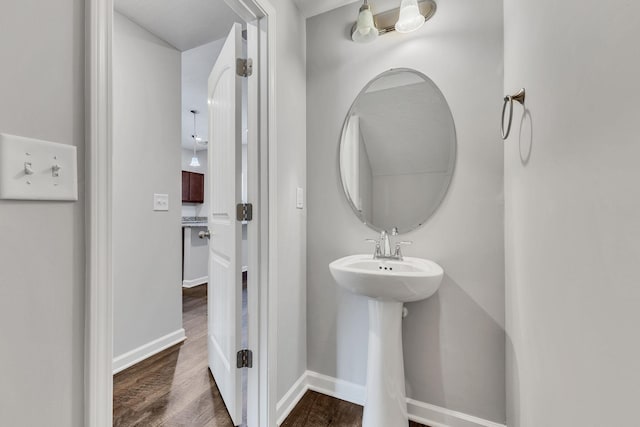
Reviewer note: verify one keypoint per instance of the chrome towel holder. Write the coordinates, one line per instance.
(509, 100)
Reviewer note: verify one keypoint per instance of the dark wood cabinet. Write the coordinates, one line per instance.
(192, 187)
(196, 187)
(185, 186)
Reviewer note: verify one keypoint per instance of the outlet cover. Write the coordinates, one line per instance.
(160, 202)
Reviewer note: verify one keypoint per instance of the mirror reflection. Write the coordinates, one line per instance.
(397, 151)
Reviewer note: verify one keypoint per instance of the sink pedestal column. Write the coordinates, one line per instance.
(385, 404)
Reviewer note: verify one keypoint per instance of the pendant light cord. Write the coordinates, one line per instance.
(194, 132)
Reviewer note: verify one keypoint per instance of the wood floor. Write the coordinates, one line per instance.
(175, 389)
(319, 410)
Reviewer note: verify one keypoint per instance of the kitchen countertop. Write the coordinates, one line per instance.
(194, 221)
(194, 224)
(201, 223)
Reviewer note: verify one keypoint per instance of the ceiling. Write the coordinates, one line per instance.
(183, 24)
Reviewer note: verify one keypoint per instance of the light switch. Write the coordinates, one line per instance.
(160, 202)
(32, 169)
(299, 198)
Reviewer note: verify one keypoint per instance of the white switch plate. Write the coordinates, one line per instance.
(299, 198)
(160, 202)
(32, 169)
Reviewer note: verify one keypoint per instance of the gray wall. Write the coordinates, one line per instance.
(42, 243)
(147, 298)
(454, 342)
(42, 285)
(573, 213)
(292, 223)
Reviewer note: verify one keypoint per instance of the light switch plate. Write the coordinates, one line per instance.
(160, 202)
(33, 169)
(299, 198)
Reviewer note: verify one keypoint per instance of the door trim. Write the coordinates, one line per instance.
(98, 389)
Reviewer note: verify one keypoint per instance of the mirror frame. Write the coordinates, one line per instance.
(445, 190)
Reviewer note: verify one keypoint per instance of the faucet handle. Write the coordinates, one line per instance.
(376, 252)
(398, 253)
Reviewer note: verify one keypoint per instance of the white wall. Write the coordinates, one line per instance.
(42, 243)
(573, 213)
(292, 222)
(196, 257)
(454, 342)
(147, 159)
(195, 209)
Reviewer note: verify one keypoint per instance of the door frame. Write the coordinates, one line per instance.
(98, 383)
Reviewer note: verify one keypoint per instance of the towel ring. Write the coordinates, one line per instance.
(509, 100)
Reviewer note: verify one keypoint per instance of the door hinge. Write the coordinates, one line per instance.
(245, 359)
(244, 211)
(244, 67)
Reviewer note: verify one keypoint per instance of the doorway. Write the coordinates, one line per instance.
(100, 273)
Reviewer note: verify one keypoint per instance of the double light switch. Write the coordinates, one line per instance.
(32, 169)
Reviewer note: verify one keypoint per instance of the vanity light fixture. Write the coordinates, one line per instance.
(410, 16)
(194, 160)
(365, 28)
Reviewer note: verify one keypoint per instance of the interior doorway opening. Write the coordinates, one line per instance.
(163, 367)
(260, 16)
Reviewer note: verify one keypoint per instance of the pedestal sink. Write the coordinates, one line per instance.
(388, 284)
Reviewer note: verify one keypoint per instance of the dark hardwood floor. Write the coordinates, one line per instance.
(319, 410)
(175, 389)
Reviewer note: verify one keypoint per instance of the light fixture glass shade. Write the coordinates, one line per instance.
(366, 30)
(195, 163)
(410, 18)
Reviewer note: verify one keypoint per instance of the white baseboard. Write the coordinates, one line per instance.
(420, 412)
(195, 282)
(337, 388)
(141, 353)
(436, 416)
(291, 398)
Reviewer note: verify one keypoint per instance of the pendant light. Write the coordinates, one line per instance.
(410, 18)
(366, 30)
(194, 160)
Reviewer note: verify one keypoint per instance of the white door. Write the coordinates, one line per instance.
(224, 183)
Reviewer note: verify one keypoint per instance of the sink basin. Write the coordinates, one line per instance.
(388, 284)
(411, 279)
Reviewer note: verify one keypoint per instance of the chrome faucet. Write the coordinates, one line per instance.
(383, 246)
(385, 243)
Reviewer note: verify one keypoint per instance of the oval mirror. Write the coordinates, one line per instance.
(397, 151)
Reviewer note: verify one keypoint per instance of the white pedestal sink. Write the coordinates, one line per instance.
(388, 284)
